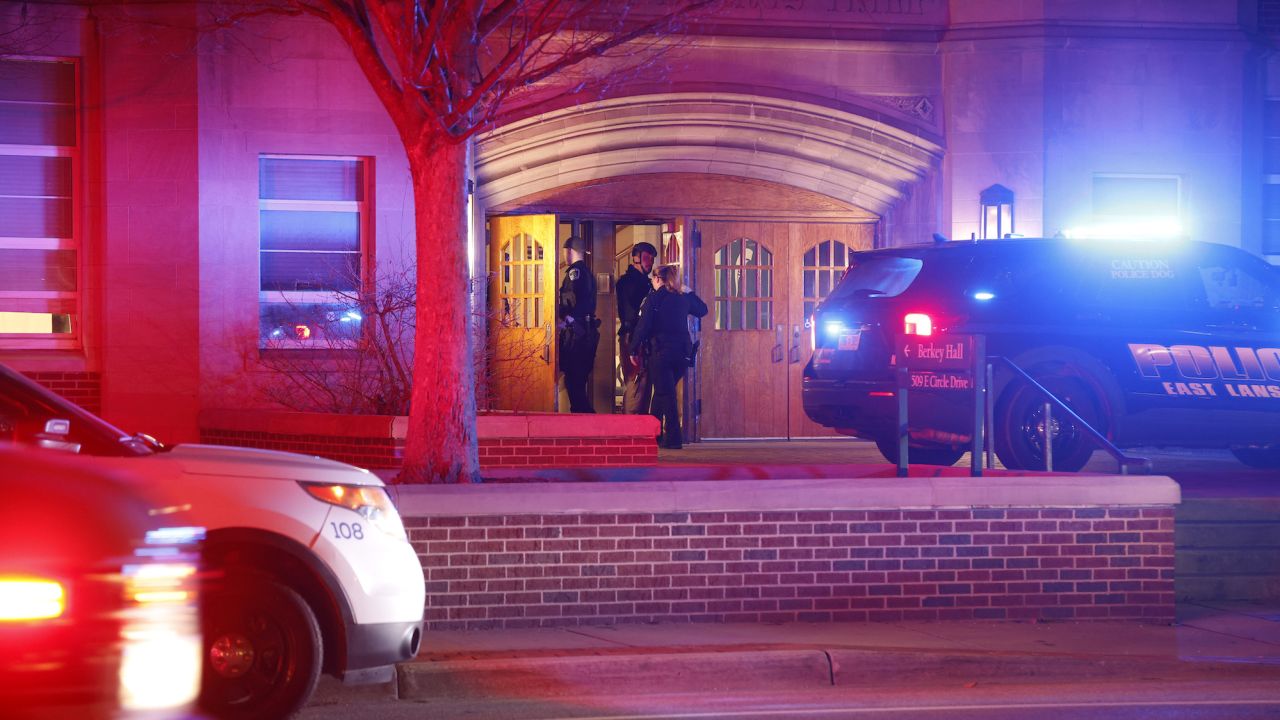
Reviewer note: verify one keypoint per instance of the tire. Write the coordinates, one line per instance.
(262, 649)
(1266, 458)
(1019, 422)
(933, 455)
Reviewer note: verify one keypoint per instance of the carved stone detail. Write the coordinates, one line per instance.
(919, 105)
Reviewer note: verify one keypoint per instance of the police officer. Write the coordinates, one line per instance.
(664, 324)
(579, 328)
(633, 287)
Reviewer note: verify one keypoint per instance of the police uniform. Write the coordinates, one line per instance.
(579, 332)
(633, 287)
(664, 325)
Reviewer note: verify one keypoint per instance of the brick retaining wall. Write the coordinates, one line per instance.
(505, 441)
(487, 569)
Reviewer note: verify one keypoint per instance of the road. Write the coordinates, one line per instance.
(1217, 700)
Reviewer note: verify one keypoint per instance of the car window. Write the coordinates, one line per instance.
(25, 408)
(1229, 287)
(878, 276)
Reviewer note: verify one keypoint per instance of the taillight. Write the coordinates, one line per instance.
(23, 599)
(917, 324)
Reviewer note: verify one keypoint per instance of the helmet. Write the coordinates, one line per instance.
(575, 243)
(643, 247)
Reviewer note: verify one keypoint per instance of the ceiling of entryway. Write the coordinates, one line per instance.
(672, 194)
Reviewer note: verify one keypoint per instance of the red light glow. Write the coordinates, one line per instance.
(917, 324)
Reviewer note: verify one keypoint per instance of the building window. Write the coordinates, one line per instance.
(39, 216)
(824, 265)
(1137, 206)
(744, 286)
(314, 215)
(1271, 177)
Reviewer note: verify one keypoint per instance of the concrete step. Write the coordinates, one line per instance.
(1262, 536)
(1208, 588)
(1227, 549)
(1243, 509)
(1226, 561)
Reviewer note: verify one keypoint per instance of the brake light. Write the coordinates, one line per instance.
(917, 324)
(27, 598)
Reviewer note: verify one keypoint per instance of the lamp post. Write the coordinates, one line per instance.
(997, 211)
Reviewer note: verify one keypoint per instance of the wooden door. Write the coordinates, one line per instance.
(822, 253)
(521, 358)
(743, 357)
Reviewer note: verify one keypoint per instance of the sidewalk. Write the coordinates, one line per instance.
(1237, 640)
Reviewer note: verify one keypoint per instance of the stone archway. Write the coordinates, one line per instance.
(796, 172)
(852, 158)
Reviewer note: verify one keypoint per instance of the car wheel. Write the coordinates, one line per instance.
(262, 649)
(937, 455)
(1266, 458)
(1019, 424)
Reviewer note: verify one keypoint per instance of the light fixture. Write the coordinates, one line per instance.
(997, 211)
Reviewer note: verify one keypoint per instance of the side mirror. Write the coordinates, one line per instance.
(57, 427)
(55, 435)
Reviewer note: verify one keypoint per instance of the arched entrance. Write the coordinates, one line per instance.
(763, 197)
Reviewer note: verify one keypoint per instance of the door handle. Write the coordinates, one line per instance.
(795, 344)
(546, 343)
(779, 332)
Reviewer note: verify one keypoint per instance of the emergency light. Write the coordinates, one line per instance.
(917, 324)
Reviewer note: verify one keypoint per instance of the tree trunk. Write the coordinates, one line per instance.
(440, 446)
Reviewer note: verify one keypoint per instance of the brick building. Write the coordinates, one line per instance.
(171, 200)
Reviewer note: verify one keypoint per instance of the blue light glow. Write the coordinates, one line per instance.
(833, 328)
(983, 295)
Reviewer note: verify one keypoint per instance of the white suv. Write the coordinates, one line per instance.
(310, 569)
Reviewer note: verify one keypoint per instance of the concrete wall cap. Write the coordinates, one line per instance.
(785, 494)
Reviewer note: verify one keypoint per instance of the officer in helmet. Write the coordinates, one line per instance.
(633, 287)
(579, 327)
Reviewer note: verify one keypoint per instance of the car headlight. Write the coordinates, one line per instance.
(24, 599)
(369, 501)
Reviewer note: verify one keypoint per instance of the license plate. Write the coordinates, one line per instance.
(849, 340)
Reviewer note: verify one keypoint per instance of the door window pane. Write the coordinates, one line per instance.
(525, 282)
(743, 285)
(824, 265)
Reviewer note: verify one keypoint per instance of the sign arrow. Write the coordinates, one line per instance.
(906, 350)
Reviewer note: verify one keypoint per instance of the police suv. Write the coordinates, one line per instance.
(309, 566)
(1150, 343)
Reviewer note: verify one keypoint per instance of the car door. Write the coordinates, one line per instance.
(1241, 316)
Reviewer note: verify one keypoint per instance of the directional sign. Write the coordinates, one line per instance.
(936, 352)
(928, 380)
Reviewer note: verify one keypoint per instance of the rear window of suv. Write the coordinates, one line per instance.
(877, 276)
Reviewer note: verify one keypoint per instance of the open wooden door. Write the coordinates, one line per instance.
(522, 313)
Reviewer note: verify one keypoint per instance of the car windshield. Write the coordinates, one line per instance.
(877, 276)
(26, 408)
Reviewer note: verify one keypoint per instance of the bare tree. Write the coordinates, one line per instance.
(353, 355)
(444, 70)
